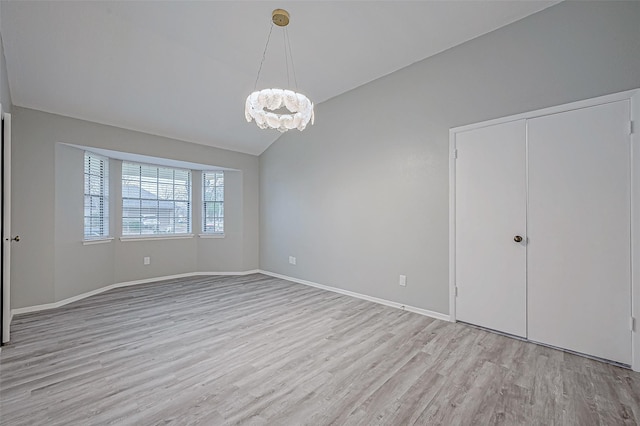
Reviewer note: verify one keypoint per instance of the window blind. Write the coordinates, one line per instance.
(96, 196)
(213, 202)
(155, 200)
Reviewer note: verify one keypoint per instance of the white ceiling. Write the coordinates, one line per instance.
(183, 69)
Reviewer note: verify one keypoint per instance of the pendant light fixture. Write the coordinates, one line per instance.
(263, 105)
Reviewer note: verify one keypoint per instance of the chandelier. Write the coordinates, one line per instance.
(280, 109)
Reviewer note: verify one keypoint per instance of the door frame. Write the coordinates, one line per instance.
(634, 97)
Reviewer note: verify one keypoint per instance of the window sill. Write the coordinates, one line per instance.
(97, 241)
(155, 237)
(211, 235)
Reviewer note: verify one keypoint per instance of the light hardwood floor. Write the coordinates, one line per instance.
(259, 350)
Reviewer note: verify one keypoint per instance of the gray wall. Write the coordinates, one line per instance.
(50, 263)
(362, 196)
(5, 95)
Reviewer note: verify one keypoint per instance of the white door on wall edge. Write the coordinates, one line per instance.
(579, 258)
(6, 226)
(490, 199)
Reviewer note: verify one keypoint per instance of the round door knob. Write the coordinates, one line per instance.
(16, 238)
(517, 239)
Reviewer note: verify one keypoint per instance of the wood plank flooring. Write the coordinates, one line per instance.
(259, 350)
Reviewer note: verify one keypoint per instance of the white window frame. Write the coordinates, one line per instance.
(215, 198)
(157, 221)
(102, 194)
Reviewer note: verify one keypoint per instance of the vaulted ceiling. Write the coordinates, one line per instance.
(183, 69)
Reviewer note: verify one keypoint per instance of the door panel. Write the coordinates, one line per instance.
(6, 226)
(490, 211)
(579, 283)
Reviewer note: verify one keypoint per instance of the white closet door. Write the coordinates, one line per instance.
(490, 212)
(579, 284)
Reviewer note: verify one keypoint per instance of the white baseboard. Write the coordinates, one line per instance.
(425, 312)
(63, 302)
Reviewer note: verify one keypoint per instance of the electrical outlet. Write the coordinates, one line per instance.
(403, 280)
(146, 260)
(292, 260)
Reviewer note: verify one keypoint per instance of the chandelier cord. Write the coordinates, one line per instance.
(286, 57)
(264, 54)
(293, 68)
